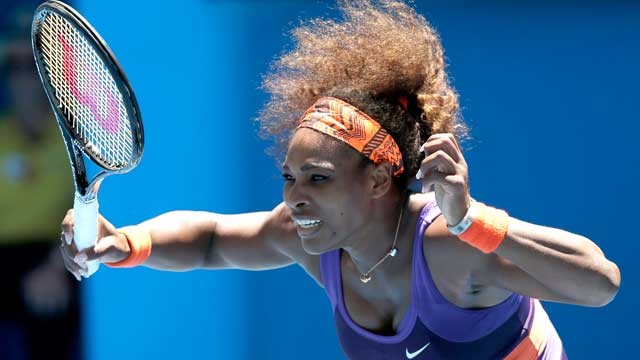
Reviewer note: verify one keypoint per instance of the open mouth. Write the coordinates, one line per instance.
(307, 223)
(307, 227)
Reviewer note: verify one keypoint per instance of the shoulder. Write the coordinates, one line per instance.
(281, 232)
(457, 268)
(438, 228)
(437, 241)
(436, 236)
(439, 246)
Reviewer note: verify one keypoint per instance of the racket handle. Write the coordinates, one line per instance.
(85, 227)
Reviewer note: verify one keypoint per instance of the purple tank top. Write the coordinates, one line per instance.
(432, 327)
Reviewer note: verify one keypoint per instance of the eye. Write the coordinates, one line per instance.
(287, 177)
(316, 177)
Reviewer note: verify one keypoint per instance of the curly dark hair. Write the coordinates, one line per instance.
(380, 51)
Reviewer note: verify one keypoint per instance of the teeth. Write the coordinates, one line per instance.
(308, 223)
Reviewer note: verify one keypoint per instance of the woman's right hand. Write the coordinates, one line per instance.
(110, 246)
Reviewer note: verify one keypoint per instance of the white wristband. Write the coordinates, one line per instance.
(467, 220)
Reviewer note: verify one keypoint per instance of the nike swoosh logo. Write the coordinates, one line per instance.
(414, 354)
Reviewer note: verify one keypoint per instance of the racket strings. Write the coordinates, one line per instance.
(87, 92)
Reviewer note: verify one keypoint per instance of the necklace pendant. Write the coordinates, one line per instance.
(393, 252)
(365, 278)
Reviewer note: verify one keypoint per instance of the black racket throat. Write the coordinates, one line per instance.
(87, 180)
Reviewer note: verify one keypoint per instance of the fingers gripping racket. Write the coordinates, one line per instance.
(94, 106)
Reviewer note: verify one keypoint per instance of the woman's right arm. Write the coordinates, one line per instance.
(186, 240)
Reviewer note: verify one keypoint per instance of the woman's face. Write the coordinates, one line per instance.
(325, 189)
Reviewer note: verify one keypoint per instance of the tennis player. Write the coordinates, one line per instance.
(362, 107)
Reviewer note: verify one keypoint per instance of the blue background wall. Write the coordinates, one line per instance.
(548, 88)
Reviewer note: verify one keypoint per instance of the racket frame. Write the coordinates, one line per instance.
(86, 188)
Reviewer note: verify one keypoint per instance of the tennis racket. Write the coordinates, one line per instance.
(94, 106)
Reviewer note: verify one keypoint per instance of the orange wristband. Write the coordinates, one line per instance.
(488, 229)
(140, 244)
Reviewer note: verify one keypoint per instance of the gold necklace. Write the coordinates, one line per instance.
(366, 277)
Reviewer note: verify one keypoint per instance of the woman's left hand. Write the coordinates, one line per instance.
(445, 168)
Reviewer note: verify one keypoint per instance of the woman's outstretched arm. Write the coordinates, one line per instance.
(186, 240)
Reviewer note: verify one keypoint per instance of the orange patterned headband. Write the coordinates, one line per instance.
(346, 123)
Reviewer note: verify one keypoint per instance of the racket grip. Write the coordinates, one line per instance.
(85, 227)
